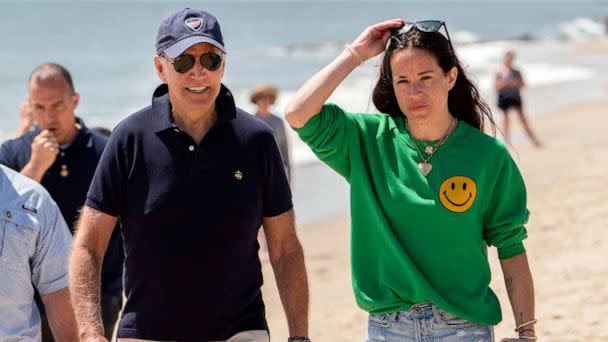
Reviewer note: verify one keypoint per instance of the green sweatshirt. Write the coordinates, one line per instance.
(418, 239)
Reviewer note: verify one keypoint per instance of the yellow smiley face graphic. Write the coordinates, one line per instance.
(458, 193)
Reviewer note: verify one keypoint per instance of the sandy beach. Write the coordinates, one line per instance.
(567, 245)
(595, 46)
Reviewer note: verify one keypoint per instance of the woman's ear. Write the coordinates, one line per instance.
(452, 76)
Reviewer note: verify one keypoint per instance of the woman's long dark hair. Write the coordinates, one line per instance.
(464, 101)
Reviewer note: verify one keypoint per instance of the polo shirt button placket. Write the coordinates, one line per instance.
(64, 172)
(191, 147)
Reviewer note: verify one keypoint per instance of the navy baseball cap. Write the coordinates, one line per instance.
(185, 28)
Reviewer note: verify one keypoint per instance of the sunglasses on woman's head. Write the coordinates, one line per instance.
(183, 63)
(424, 26)
(429, 26)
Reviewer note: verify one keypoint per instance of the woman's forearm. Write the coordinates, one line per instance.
(520, 288)
(312, 95)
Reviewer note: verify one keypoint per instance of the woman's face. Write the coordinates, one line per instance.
(420, 85)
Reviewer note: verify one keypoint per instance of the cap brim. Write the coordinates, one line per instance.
(184, 44)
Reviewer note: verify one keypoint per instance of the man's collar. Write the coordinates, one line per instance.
(161, 107)
(83, 137)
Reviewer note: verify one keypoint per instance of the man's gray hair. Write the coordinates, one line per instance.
(51, 71)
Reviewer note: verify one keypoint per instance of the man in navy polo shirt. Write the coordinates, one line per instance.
(192, 178)
(61, 153)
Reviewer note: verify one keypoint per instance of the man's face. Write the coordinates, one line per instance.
(196, 89)
(53, 104)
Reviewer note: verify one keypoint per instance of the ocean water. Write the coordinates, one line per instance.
(108, 47)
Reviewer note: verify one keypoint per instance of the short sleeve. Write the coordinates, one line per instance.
(53, 248)
(276, 191)
(507, 213)
(108, 187)
(327, 135)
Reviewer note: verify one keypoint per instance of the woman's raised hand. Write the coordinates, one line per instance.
(372, 41)
(310, 98)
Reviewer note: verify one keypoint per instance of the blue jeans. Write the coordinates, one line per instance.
(425, 323)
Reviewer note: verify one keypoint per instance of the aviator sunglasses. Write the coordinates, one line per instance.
(431, 26)
(182, 63)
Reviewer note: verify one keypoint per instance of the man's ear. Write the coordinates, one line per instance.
(223, 65)
(75, 100)
(160, 68)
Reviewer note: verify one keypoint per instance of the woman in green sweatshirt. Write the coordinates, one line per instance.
(429, 189)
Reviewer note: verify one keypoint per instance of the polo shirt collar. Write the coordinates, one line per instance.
(161, 107)
(84, 138)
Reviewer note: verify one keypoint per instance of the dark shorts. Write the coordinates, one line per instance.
(506, 102)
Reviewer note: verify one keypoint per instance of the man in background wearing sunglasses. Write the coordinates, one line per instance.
(191, 178)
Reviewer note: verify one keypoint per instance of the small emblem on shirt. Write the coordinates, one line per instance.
(458, 193)
(64, 171)
(30, 209)
(195, 24)
(238, 175)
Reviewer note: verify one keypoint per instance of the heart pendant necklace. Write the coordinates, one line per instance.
(426, 167)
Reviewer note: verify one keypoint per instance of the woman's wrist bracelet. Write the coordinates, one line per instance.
(523, 331)
(521, 326)
(354, 53)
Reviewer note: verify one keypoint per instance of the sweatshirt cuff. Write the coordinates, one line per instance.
(511, 250)
(309, 127)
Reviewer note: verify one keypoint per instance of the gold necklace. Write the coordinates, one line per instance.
(425, 167)
(430, 149)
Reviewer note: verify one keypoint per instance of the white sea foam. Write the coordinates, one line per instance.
(464, 37)
(331, 48)
(482, 61)
(580, 28)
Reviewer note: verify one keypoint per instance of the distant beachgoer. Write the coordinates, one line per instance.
(429, 190)
(192, 179)
(61, 153)
(508, 84)
(263, 96)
